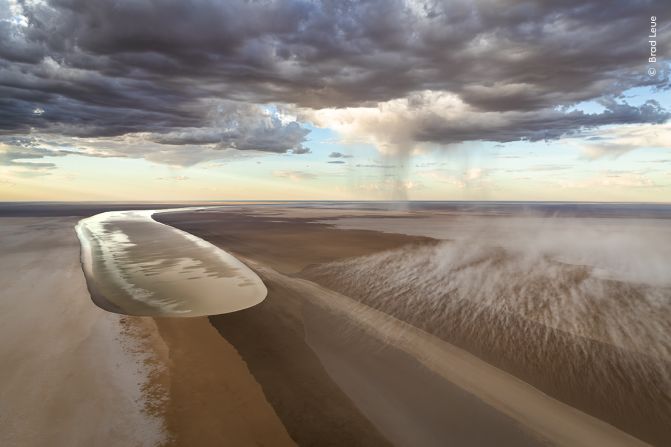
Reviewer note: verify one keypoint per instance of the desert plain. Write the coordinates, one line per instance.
(425, 324)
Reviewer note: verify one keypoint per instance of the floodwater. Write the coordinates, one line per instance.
(137, 266)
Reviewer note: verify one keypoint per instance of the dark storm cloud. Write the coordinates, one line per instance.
(100, 68)
(546, 124)
(243, 127)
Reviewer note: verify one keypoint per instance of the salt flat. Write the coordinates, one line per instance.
(71, 375)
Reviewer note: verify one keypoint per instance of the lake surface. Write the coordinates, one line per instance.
(137, 266)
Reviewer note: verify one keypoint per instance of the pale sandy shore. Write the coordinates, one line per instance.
(73, 374)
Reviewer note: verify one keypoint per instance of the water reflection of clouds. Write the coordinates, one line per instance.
(147, 268)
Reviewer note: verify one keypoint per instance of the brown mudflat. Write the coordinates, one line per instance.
(298, 245)
(286, 244)
(271, 339)
(212, 399)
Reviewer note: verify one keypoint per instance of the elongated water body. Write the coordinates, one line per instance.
(137, 266)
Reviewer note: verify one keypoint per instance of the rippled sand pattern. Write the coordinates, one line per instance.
(598, 343)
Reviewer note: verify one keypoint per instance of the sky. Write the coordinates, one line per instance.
(335, 100)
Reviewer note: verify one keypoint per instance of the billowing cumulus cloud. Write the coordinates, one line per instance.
(397, 126)
(242, 127)
(204, 72)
